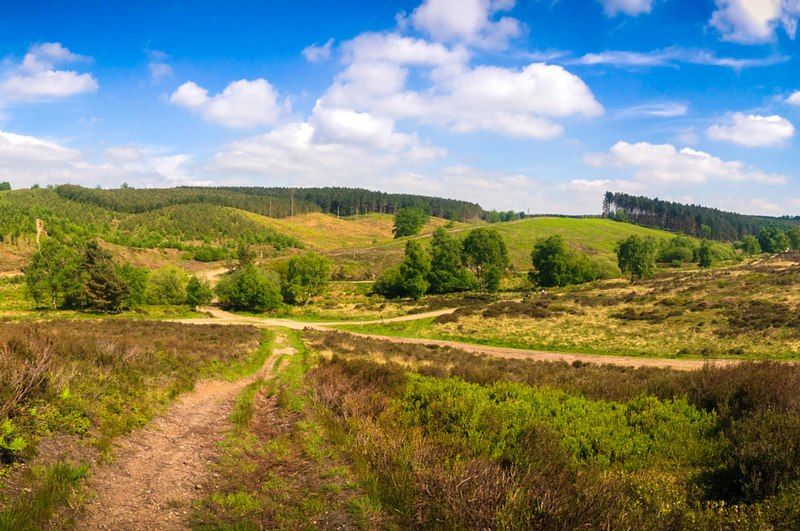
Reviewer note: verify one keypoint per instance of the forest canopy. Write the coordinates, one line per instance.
(694, 220)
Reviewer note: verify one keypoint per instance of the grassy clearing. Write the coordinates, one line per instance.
(75, 386)
(324, 232)
(279, 469)
(745, 311)
(444, 437)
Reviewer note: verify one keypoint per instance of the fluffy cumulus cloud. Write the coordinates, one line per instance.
(301, 154)
(525, 102)
(628, 7)
(242, 104)
(663, 163)
(794, 98)
(755, 21)
(752, 130)
(38, 78)
(470, 22)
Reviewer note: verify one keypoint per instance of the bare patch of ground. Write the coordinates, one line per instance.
(160, 469)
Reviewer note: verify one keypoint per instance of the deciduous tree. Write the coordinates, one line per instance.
(637, 256)
(306, 276)
(484, 252)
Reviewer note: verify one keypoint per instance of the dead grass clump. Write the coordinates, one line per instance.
(26, 362)
(759, 315)
(654, 316)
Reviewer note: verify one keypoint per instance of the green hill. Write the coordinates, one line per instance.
(206, 229)
(596, 237)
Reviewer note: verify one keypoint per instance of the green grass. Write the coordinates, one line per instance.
(280, 467)
(593, 236)
(743, 311)
(54, 485)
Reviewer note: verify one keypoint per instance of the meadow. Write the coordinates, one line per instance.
(744, 311)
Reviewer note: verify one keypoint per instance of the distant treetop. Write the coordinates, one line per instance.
(273, 202)
(694, 220)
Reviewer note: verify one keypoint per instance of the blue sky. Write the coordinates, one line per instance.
(527, 105)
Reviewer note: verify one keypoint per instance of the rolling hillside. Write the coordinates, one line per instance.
(596, 237)
(324, 232)
(360, 246)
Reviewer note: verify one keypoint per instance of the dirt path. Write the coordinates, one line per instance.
(223, 317)
(161, 468)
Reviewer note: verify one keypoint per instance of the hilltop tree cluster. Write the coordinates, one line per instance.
(451, 266)
(693, 220)
(273, 202)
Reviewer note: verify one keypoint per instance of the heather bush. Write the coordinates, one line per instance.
(478, 442)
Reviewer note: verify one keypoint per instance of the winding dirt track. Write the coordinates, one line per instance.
(161, 468)
(223, 317)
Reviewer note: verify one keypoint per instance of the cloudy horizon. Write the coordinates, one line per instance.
(529, 106)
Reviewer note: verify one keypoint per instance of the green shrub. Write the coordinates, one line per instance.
(409, 221)
(389, 284)
(198, 292)
(306, 276)
(492, 419)
(251, 289)
(554, 264)
(167, 285)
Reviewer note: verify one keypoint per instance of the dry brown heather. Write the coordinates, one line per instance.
(748, 310)
(48, 357)
(771, 382)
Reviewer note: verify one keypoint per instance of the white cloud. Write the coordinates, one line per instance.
(687, 136)
(513, 102)
(28, 160)
(665, 109)
(37, 78)
(666, 164)
(125, 154)
(755, 21)
(794, 98)
(508, 101)
(674, 56)
(401, 50)
(297, 154)
(243, 103)
(467, 21)
(315, 53)
(752, 130)
(628, 7)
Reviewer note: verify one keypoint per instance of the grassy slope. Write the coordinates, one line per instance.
(594, 236)
(324, 232)
(747, 311)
